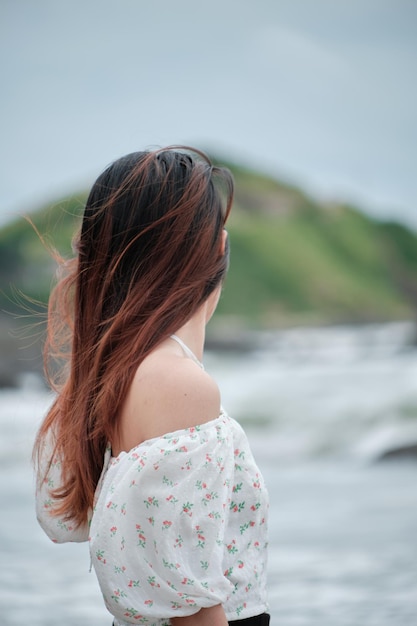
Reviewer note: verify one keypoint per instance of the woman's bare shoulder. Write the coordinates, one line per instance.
(168, 393)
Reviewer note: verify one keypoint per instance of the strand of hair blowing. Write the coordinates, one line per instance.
(148, 257)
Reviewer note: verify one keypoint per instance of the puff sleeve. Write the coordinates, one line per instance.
(49, 478)
(158, 528)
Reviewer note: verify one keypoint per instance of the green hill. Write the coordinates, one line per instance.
(293, 260)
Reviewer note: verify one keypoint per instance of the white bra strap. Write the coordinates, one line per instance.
(187, 350)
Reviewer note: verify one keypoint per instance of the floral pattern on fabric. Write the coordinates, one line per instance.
(49, 478)
(179, 523)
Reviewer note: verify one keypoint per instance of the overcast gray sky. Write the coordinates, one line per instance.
(322, 93)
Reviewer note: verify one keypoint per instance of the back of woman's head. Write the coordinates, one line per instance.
(150, 243)
(148, 255)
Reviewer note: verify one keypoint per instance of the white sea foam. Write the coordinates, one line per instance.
(342, 533)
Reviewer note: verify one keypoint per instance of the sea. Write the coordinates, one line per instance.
(322, 408)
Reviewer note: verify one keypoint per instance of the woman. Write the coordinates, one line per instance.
(136, 454)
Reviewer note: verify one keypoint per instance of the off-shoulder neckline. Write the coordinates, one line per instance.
(174, 433)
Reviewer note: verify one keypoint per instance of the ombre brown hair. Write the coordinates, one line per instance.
(147, 257)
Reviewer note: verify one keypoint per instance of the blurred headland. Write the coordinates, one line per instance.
(294, 262)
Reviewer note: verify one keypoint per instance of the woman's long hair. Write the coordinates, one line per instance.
(148, 255)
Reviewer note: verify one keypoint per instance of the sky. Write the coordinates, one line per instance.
(319, 93)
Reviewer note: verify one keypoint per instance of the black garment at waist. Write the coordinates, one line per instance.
(258, 620)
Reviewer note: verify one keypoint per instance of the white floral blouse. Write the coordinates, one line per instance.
(179, 523)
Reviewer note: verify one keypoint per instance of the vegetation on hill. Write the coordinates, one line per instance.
(293, 260)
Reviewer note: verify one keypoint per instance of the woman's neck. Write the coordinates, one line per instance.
(193, 332)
